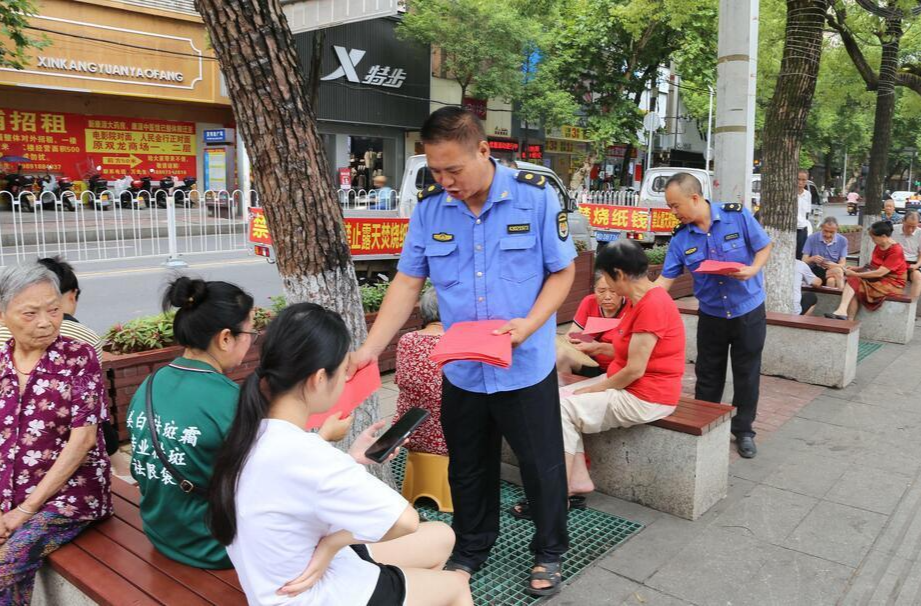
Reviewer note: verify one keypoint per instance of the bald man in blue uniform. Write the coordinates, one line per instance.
(496, 245)
(732, 323)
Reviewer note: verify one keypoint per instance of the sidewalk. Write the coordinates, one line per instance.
(826, 514)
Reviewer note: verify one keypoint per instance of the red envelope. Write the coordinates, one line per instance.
(581, 336)
(357, 389)
(600, 325)
(718, 267)
(474, 341)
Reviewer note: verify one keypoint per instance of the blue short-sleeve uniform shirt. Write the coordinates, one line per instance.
(734, 235)
(492, 267)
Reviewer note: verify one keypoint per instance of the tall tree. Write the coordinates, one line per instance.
(784, 126)
(255, 48)
(14, 21)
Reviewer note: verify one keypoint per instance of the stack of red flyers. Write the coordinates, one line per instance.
(722, 268)
(474, 342)
(357, 389)
(598, 325)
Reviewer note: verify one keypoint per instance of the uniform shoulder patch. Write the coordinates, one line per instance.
(562, 225)
(532, 179)
(678, 228)
(431, 190)
(733, 207)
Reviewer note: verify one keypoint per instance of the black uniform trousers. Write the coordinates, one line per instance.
(801, 235)
(742, 338)
(474, 424)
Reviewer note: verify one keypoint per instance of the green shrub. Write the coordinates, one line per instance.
(656, 254)
(372, 295)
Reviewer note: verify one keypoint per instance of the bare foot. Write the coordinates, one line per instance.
(583, 486)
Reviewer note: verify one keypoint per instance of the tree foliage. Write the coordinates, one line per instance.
(14, 22)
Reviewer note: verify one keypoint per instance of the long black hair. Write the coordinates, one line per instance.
(303, 339)
(205, 309)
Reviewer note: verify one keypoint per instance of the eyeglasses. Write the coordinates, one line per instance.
(255, 334)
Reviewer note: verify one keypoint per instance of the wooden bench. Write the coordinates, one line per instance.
(893, 322)
(679, 464)
(808, 349)
(112, 563)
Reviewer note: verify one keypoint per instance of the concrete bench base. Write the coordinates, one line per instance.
(677, 473)
(51, 589)
(816, 357)
(894, 322)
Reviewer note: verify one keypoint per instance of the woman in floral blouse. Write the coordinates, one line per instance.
(54, 470)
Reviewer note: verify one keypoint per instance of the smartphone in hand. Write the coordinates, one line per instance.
(391, 439)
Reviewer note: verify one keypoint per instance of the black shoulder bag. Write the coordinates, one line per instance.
(184, 484)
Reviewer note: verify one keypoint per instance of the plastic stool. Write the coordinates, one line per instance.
(427, 476)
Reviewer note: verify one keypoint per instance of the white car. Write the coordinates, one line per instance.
(900, 197)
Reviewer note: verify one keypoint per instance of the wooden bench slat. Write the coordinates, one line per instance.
(127, 512)
(208, 586)
(789, 320)
(142, 575)
(129, 492)
(103, 585)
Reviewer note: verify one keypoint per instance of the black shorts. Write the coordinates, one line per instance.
(590, 371)
(808, 300)
(391, 584)
(819, 271)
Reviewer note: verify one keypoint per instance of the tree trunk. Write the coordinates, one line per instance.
(784, 126)
(256, 51)
(882, 131)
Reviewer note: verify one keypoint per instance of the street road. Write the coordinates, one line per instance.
(118, 291)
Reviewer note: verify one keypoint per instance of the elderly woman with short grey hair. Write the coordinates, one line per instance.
(419, 379)
(54, 470)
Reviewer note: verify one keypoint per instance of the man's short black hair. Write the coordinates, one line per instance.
(65, 273)
(624, 255)
(453, 123)
(687, 182)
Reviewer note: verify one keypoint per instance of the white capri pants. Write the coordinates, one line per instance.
(603, 410)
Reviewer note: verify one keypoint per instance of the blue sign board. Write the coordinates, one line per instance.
(218, 135)
(606, 236)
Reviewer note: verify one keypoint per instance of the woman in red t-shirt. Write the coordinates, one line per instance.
(603, 303)
(885, 276)
(643, 381)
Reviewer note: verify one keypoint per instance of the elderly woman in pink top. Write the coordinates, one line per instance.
(54, 470)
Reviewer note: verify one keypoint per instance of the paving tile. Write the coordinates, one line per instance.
(644, 596)
(807, 474)
(771, 455)
(881, 579)
(711, 568)
(767, 513)
(837, 532)
(644, 554)
(902, 535)
(790, 577)
(866, 488)
(595, 586)
(623, 509)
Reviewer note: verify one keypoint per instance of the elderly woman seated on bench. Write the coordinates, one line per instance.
(869, 286)
(643, 382)
(603, 303)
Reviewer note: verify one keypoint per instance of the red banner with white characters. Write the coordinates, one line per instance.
(366, 236)
(73, 145)
(620, 218)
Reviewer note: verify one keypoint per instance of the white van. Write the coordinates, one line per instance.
(652, 192)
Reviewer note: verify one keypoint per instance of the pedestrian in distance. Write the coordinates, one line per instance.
(496, 245)
(803, 209)
(732, 323)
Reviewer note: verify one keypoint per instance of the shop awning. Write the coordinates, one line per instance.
(308, 15)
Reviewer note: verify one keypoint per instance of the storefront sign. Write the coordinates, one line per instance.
(557, 146)
(365, 236)
(573, 132)
(370, 76)
(603, 216)
(500, 131)
(73, 144)
(533, 153)
(502, 145)
(619, 151)
(477, 106)
(218, 135)
(345, 178)
(63, 64)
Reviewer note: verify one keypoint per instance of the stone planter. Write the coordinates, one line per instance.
(683, 286)
(853, 241)
(581, 286)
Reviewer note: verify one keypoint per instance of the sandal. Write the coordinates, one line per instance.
(454, 566)
(552, 572)
(835, 317)
(522, 509)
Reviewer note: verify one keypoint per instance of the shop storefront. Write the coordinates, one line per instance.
(119, 89)
(373, 96)
(566, 150)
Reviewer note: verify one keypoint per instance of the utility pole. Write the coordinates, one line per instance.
(737, 69)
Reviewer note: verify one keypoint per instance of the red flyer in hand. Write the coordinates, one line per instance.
(723, 268)
(357, 389)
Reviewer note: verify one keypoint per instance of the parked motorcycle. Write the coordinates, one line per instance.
(99, 187)
(140, 192)
(64, 190)
(183, 193)
(20, 187)
(163, 190)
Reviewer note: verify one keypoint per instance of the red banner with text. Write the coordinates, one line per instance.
(366, 236)
(663, 220)
(73, 145)
(624, 218)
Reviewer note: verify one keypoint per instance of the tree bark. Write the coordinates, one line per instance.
(882, 131)
(256, 51)
(784, 127)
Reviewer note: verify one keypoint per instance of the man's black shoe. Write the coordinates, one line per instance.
(746, 447)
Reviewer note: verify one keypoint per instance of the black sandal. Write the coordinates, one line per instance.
(552, 573)
(522, 509)
(453, 566)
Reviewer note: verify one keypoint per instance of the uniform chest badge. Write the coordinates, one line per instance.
(562, 225)
(691, 251)
(731, 237)
(520, 228)
(443, 237)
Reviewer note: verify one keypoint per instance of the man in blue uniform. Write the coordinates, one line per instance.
(732, 316)
(495, 243)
